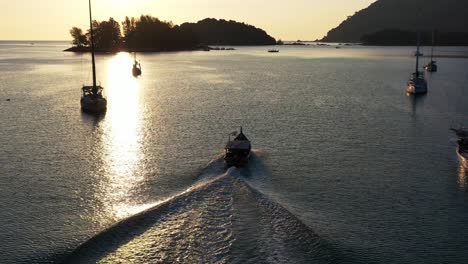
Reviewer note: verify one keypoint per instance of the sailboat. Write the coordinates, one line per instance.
(417, 84)
(432, 66)
(92, 100)
(136, 71)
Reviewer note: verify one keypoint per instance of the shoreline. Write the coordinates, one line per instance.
(88, 49)
(151, 50)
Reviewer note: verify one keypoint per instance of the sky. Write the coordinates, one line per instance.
(282, 19)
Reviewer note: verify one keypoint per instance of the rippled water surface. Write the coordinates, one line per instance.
(346, 168)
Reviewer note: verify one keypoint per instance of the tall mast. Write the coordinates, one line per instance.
(417, 55)
(433, 41)
(92, 49)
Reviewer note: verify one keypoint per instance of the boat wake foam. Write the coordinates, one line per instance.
(222, 219)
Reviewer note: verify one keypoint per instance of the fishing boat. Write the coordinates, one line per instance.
(462, 148)
(92, 100)
(136, 70)
(237, 151)
(432, 65)
(417, 84)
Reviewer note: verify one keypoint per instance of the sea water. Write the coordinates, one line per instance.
(346, 168)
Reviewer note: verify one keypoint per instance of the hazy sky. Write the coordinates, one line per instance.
(283, 19)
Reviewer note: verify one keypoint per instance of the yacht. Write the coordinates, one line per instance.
(237, 151)
(462, 148)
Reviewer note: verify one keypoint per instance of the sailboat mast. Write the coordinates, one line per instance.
(433, 41)
(417, 55)
(92, 48)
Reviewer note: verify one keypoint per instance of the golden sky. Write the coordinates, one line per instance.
(283, 19)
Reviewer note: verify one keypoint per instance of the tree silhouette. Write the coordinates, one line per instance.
(107, 35)
(79, 39)
(222, 32)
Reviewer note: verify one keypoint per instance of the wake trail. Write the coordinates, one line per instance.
(222, 219)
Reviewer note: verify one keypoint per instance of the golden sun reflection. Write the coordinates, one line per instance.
(123, 153)
(462, 177)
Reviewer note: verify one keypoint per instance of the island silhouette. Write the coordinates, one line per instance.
(150, 34)
(395, 22)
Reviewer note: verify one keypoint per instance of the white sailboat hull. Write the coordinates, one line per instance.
(93, 104)
(416, 90)
(431, 67)
(417, 86)
(462, 157)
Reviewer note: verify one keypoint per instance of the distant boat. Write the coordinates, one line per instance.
(417, 84)
(92, 100)
(273, 51)
(237, 151)
(462, 148)
(432, 66)
(136, 70)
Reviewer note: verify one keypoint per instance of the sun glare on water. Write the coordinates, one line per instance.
(123, 136)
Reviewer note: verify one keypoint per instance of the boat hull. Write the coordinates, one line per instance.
(419, 87)
(462, 157)
(236, 161)
(415, 90)
(136, 72)
(93, 104)
(431, 68)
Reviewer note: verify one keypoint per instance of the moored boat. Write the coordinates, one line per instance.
(432, 65)
(237, 151)
(136, 70)
(92, 100)
(417, 84)
(462, 148)
(273, 51)
(462, 154)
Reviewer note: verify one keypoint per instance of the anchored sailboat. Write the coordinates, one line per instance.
(417, 84)
(136, 71)
(92, 100)
(432, 66)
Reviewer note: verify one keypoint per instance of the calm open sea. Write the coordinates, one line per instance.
(346, 169)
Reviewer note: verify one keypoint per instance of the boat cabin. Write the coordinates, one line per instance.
(92, 91)
(237, 151)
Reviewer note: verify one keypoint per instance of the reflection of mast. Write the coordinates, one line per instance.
(92, 49)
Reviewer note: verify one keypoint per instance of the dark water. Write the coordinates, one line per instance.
(347, 168)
